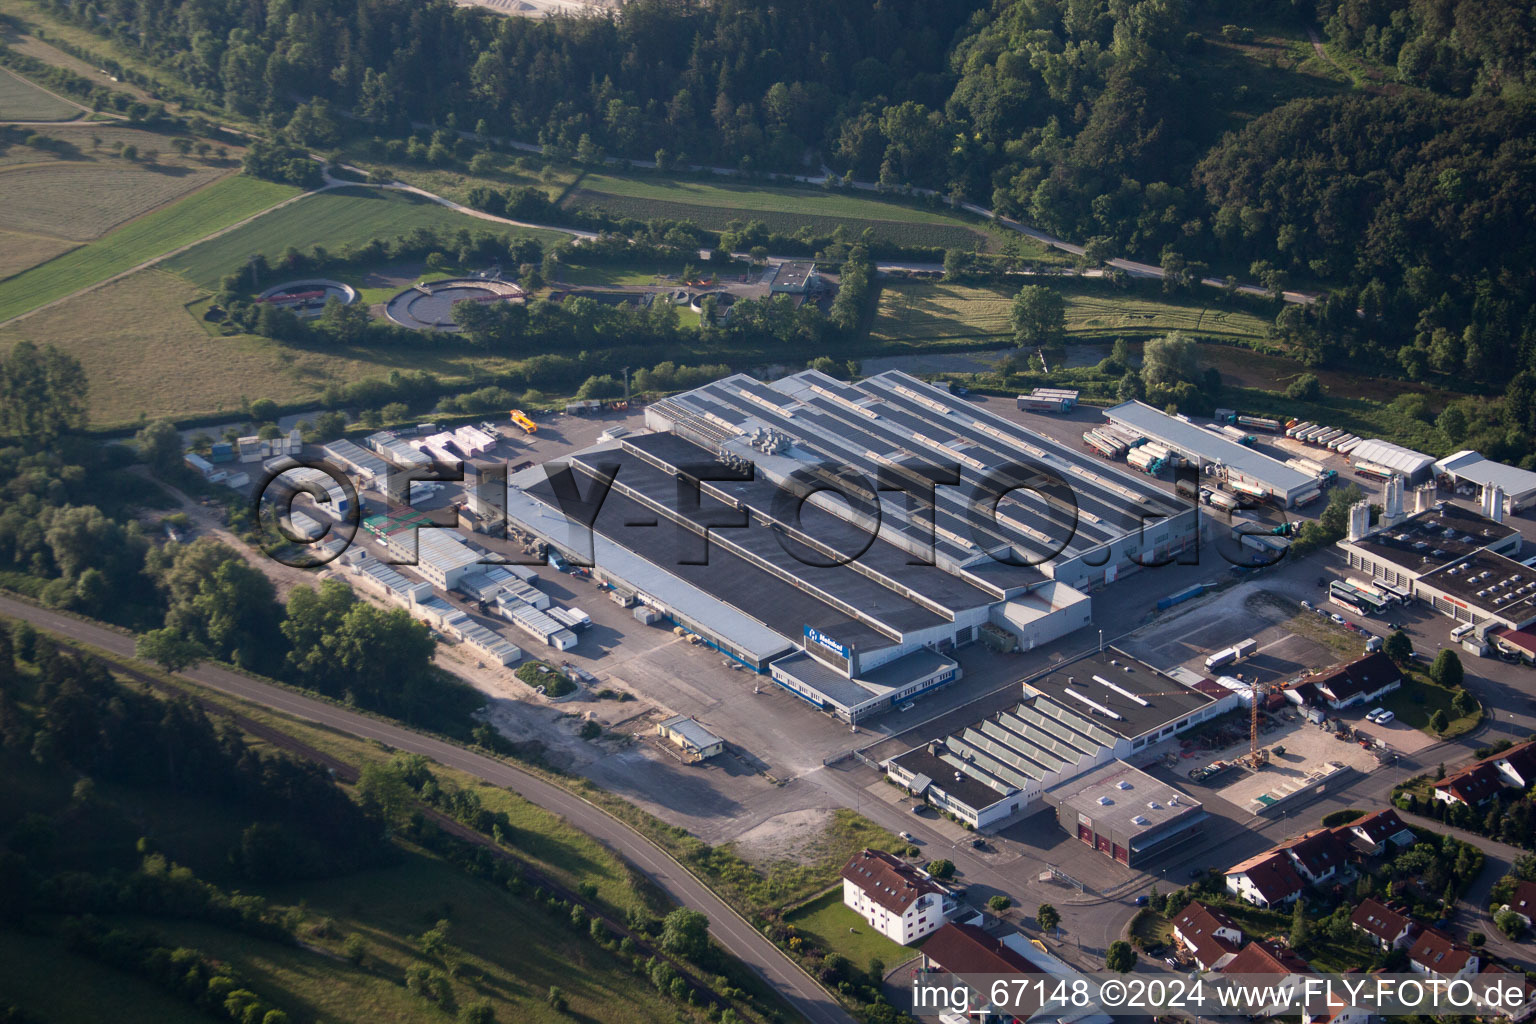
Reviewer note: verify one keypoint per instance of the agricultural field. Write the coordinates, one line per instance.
(20, 100)
(26, 43)
(19, 251)
(785, 210)
(335, 220)
(83, 200)
(218, 206)
(929, 313)
(40, 971)
(143, 352)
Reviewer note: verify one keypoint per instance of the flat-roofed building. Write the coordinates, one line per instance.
(1474, 471)
(1242, 468)
(696, 742)
(1125, 814)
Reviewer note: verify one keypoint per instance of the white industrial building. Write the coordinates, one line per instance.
(388, 444)
(857, 600)
(1075, 718)
(418, 598)
(357, 461)
(1479, 475)
(1383, 458)
(1242, 469)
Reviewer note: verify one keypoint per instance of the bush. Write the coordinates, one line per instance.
(941, 869)
(999, 903)
(589, 730)
(1343, 817)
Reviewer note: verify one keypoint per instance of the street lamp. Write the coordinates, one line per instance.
(1101, 641)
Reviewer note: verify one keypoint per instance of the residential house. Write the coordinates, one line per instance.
(1438, 955)
(1523, 902)
(1383, 925)
(1357, 682)
(1317, 856)
(1376, 834)
(1338, 1012)
(1211, 937)
(898, 900)
(1517, 765)
(1473, 786)
(1266, 957)
(964, 949)
(1268, 880)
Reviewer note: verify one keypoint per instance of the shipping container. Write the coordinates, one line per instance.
(1179, 597)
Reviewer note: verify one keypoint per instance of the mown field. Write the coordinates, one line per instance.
(335, 220)
(20, 100)
(23, 42)
(930, 312)
(784, 210)
(837, 928)
(219, 205)
(85, 200)
(19, 251)
(144, 353)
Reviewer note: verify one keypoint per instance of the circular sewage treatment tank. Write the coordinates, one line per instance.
(308, 297)
(429, 307)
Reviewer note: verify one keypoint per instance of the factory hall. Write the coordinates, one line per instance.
(844, 539)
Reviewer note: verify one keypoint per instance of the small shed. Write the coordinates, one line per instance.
(696, 742)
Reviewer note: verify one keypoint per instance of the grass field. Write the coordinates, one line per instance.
(19, 251)
(20, 100)
(838, 929)
(219, 205)
(143, 352)
(82, 201)
(922, 313)
(785, 210)
(42, 976)
(527, 170)
(387, 907)
(1418, 698)
(32, 46)
(335, 219)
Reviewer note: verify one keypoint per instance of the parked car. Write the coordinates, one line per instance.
(978, 843)
(908, 706)
(1306, 606)
(1141, 901)
(1385, 717)
(906, 835)
(918, 808)
(1374, 643)
(1336, 617)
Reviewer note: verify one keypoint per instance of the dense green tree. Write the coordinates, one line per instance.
(169, 649)
(685, 933)
(1047, 917)
(1039, 316)
(159, 445)
(1398, 646)
(42, 394)
(1120, 957)
(1446, 669)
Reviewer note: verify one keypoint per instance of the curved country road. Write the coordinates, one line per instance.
(729, 929)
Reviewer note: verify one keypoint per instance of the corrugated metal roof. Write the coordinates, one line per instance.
(1391, 456)
(1478, 469)
(1193, 440)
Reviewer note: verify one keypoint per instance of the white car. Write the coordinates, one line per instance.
(1336, 617)
(1385, 717)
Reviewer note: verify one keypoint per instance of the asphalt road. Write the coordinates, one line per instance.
(730, 930)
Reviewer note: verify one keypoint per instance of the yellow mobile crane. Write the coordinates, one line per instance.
(523, 421)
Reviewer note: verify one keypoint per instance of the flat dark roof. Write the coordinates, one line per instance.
(734, 581)
(969, 791)
(1167, 700)
(1429, 540)
(1490, 583)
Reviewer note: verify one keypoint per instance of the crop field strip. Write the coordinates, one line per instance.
(219, 205)
(18, 251)
(334, 219)
(82, 201)
(784, 210)
(926, 312)
(20, 100)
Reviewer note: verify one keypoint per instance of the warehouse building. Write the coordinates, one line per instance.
(1475, 474)
(1244, 470)
(1460, 562)
(365, 467)
(1125, 814)
(1383, 458)
(1073, 719)
(720, 522)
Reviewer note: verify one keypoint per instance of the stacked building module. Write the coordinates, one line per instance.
(946, 518)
